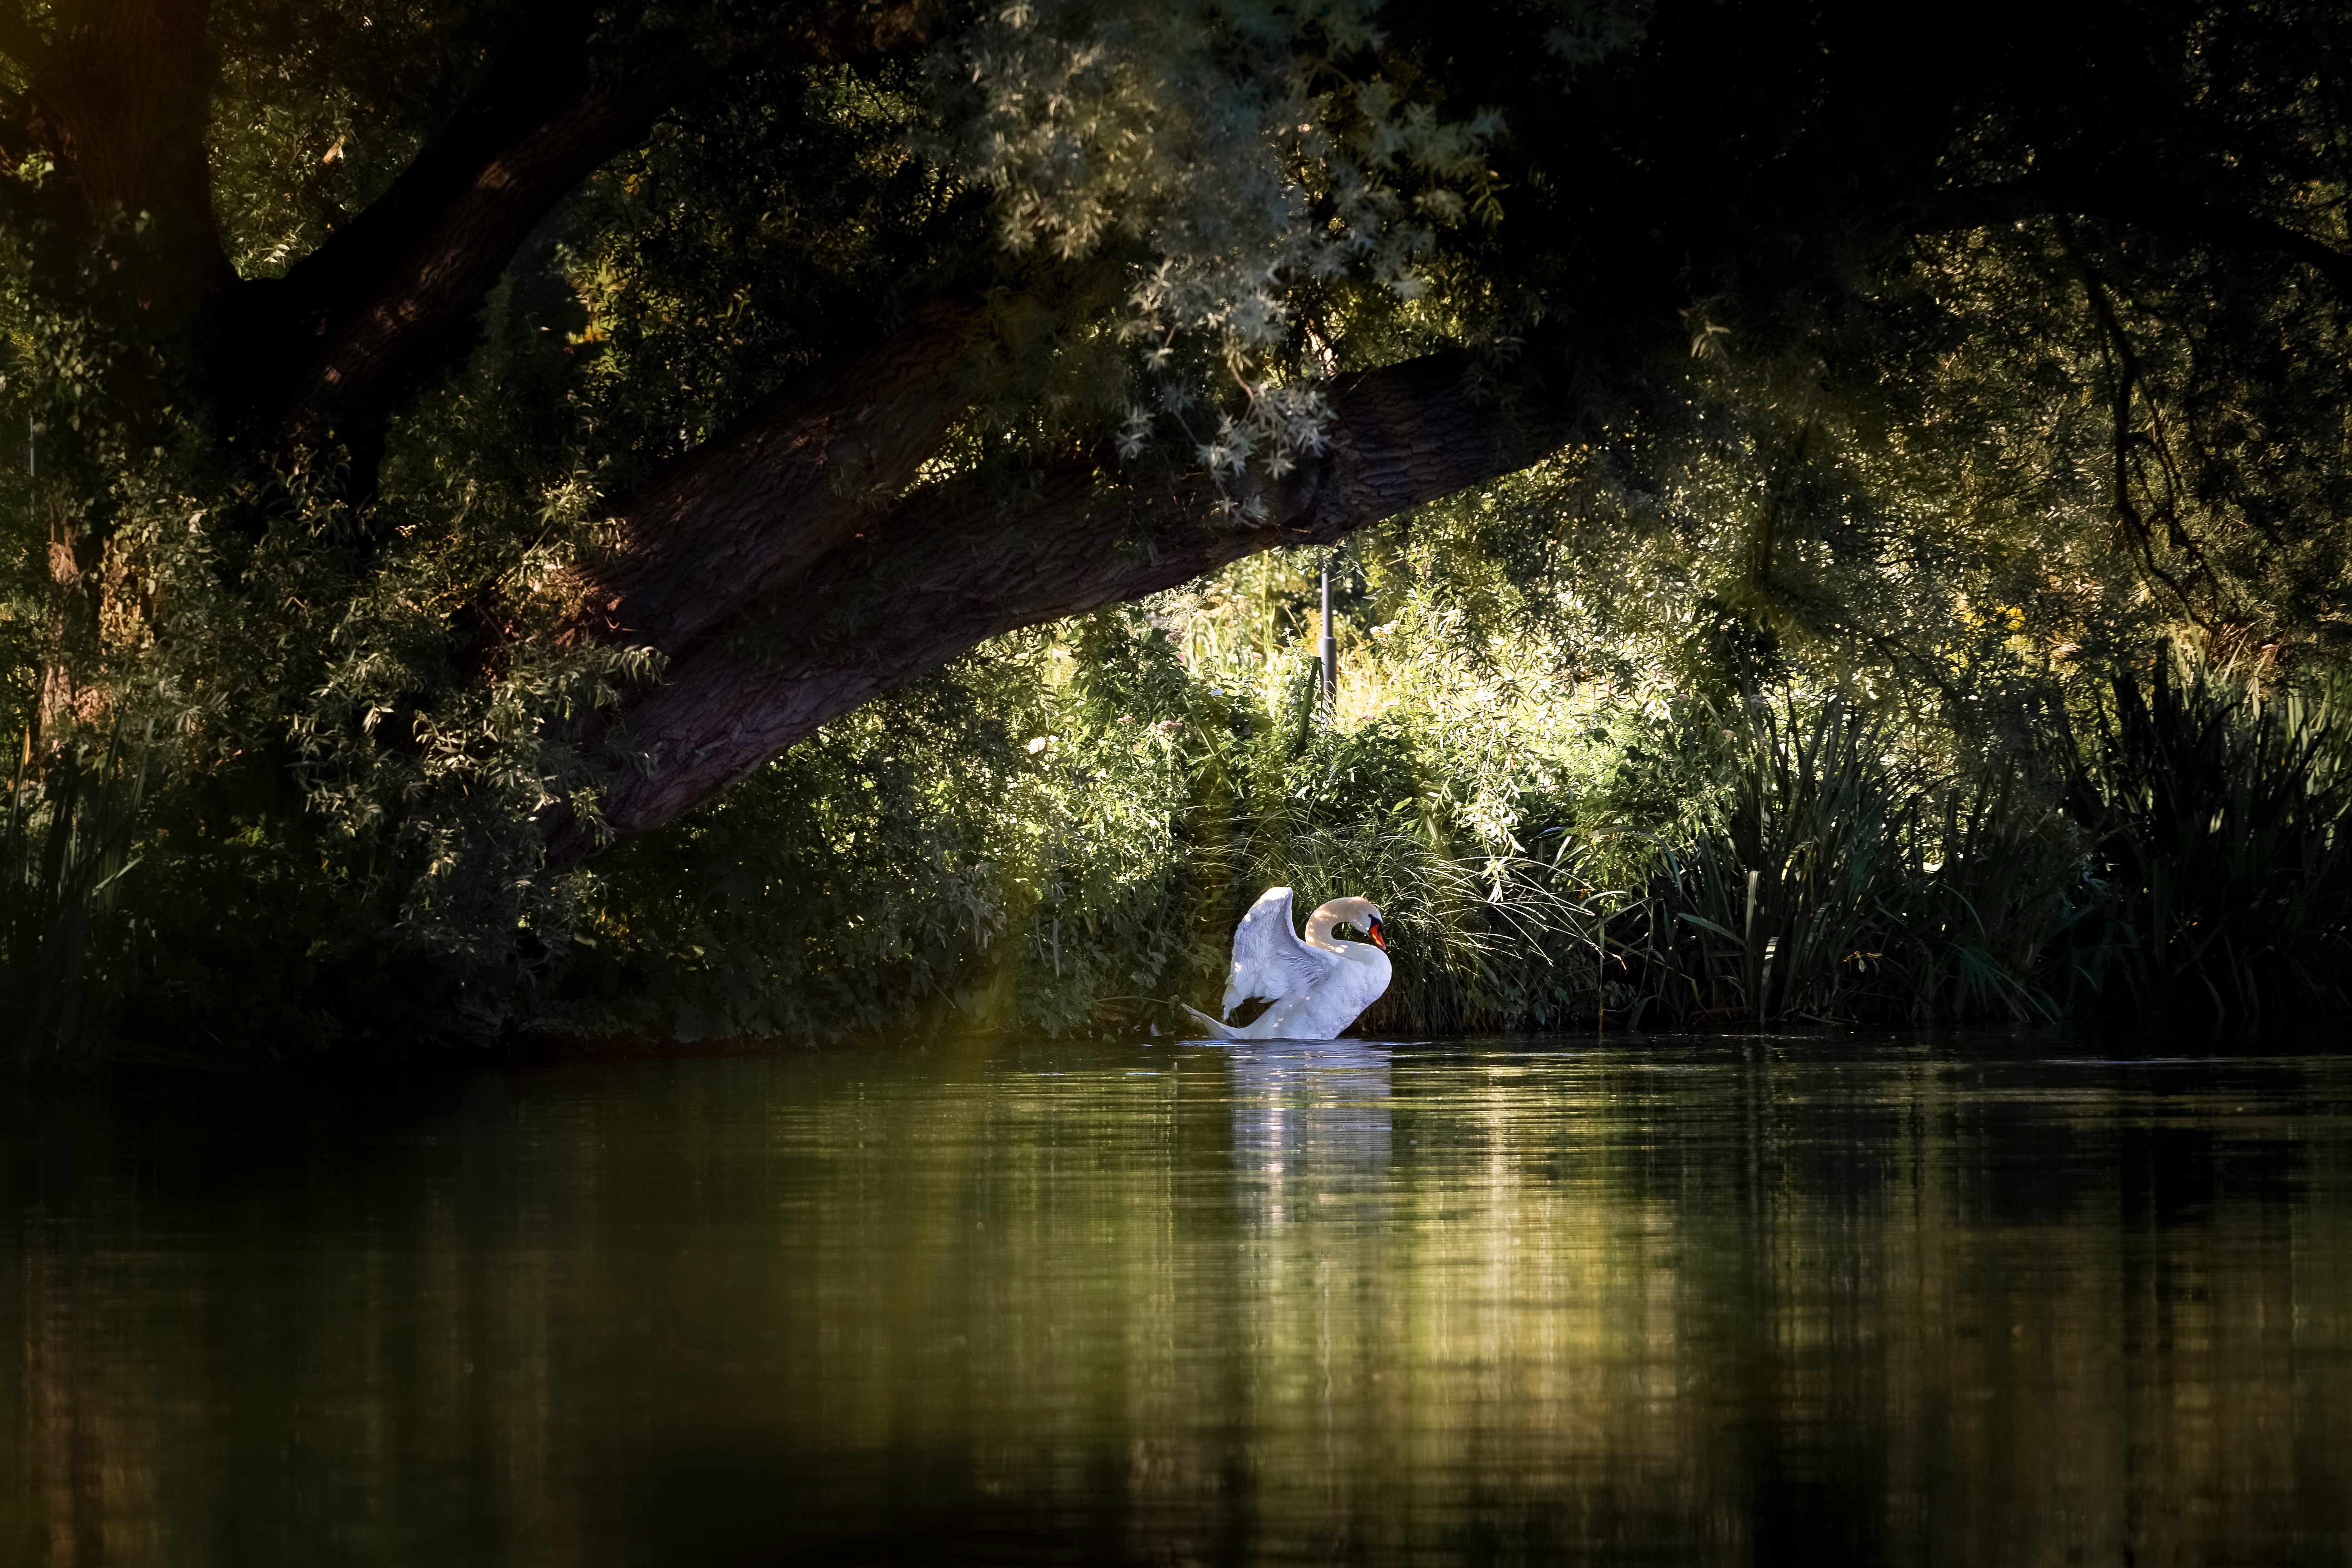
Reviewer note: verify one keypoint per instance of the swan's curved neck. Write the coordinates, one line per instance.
(1318, 927)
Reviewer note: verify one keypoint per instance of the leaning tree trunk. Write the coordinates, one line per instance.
(778, 603)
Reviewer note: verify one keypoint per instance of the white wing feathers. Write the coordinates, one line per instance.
(1217, 1028)
(1269, 958)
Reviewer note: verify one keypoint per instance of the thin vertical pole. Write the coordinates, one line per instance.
(33, 517)
(1330, 643)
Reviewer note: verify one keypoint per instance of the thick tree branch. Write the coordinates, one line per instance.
(2142, 205)
(2128, 382)
(759, 506)
(354, 321)
(950, 566)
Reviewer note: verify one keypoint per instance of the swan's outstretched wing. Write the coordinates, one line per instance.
(1269, 959)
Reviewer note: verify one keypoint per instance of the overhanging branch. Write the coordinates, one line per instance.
(353, 321)
(2142, 205)
(797, 480)
(951, 566)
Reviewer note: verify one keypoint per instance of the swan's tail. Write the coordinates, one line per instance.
(1217, 1030)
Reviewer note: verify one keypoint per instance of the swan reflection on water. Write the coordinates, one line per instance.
(1310, 1117)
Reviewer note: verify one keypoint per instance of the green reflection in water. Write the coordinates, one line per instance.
(1689, 1302)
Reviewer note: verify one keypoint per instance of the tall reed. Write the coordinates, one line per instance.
(1773, 908)
(2220, 816)
(1987, 926)
(1823, 884)
(68, 938)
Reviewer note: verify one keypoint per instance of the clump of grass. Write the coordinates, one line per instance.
(2218, 816)
(1823, 883)
(2198, 870)
(67, 940)
(1776, 906)
(1989, 924)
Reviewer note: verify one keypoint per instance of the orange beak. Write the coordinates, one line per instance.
(1378, 940)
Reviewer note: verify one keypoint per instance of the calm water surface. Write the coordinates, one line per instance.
(1675, 1302)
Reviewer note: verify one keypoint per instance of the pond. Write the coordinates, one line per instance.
(1723, 1300)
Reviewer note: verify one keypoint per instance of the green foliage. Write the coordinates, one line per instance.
(1824, 884)
(68, 939)
(368, 711)
(1929, 479)
(1062, 834)
(2220, 816)
(2196, 874)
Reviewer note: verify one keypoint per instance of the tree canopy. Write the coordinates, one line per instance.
(484, 432)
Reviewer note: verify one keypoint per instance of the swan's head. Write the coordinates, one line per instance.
(1361, 914)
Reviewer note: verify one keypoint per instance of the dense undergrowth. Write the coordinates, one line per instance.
(1059, 835)
(1551, 854)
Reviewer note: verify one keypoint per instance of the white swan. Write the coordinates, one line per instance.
(1319, 985)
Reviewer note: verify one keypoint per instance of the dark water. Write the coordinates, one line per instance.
(1702, 1303)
